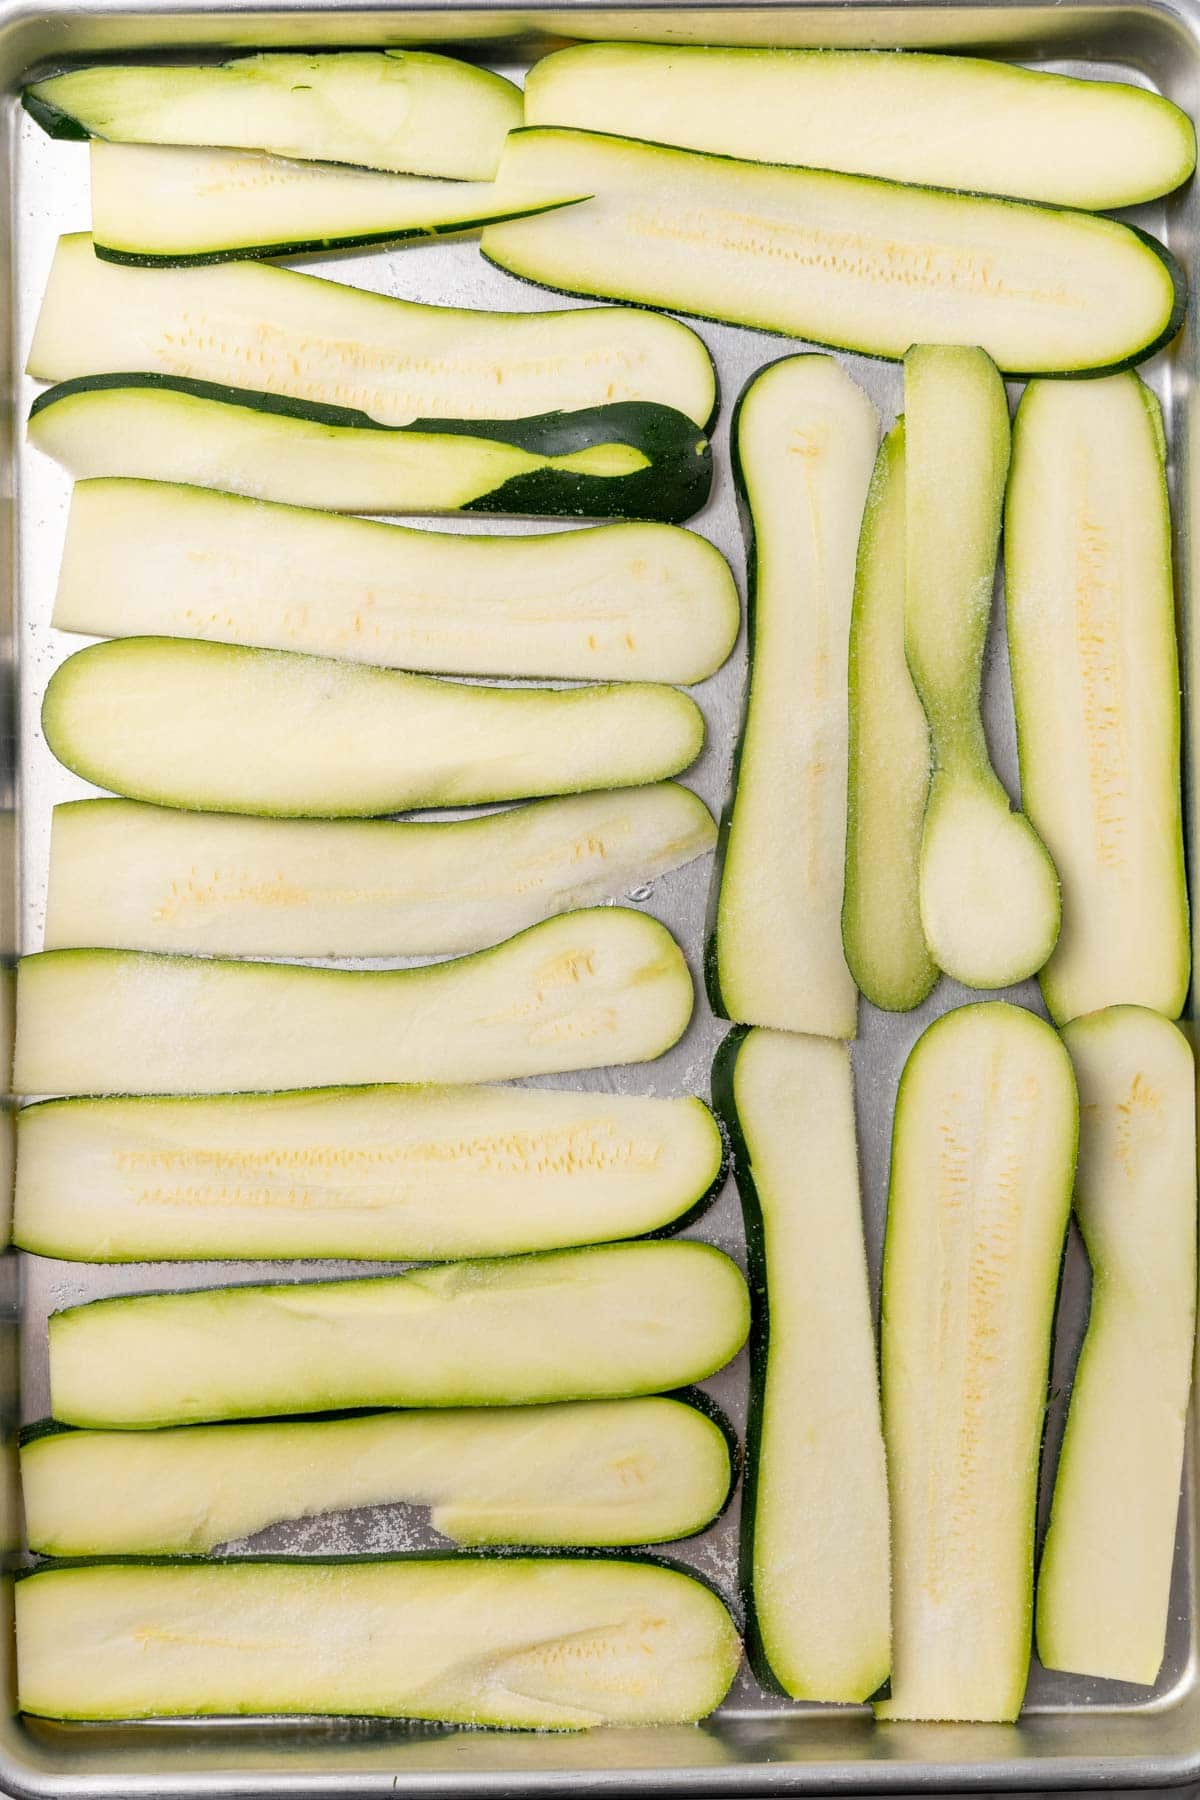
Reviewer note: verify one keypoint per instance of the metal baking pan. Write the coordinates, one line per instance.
(1074, 1732)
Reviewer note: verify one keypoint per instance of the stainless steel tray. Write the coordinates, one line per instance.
(1074, 1732)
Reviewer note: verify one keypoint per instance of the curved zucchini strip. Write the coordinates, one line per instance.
(629, 460)
(246, 324)
(415, 1173)
(989, 895)
(983, 1155)
(624, 1319)
(596, 1472)
(985, 127)
(216, 728)
(126, 876)
(1091, 637)
(804, 438)
(1104, 1587)
(844, 260)
(544, 1643)
(621, 602)
(401, 110)
(815, 1522)
(582, 991)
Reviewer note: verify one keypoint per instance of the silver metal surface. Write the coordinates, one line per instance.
(1075, 1732)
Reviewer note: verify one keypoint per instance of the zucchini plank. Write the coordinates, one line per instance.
(620, 602)
(632, 459)
(401, 110)
(280, 332)
(815, 1524)
(985, 127)
(844, 260)
(989, 894)
(1091, 634)
(624, 1319)
(414, 1173)
(888, 785)
(218, 728)
(544, 1643)
(983, 1155)
(1105, 1582)
(582, 991)
(126, 876)
(804, 439)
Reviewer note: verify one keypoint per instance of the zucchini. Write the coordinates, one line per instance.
(280, 332)
(804, 439)
(219, 728)
(888, 785)
(619, 602)
(1104, 1588)
(988, 890)
(983, 1155)
(985, 127)
(624, 1319)
(1091, 634)
(400, 110)
(582, 991)
(132, 877)
(815, 1519)
(629, 460)
(844, 260)
(595, 1472)
(408, 1173)
(546, 1643)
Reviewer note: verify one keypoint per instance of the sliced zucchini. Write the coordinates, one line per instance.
(133, 877)
(983, 1155)
(629, 460)
(550, 1642)
(280, 332)
(1091, 633)
(988, 890)
(621, 602)
(387, 1172)
(621, 1320)
(815, 1521)
(218, 728)
(941, 121)
(401, 110)
(804, 439)
(889, 771)
(845, 260)
(582, 991)
(1105, 1582)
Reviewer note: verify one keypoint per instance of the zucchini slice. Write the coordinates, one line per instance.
(983, 1155)
(844, 260)
(985, 127)
(545, 1643)
(386, 1172)
(804, 439)
(275, 330)
(1105, 1580)
(582, 991)
(889, 770)
(219, 728)
(126, 876)
(815, 1522)
(989, 895)
(401, 110)
(595, 1472)
(624, 1319)
(619, 602)
(1091, 634)
(632, 459)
